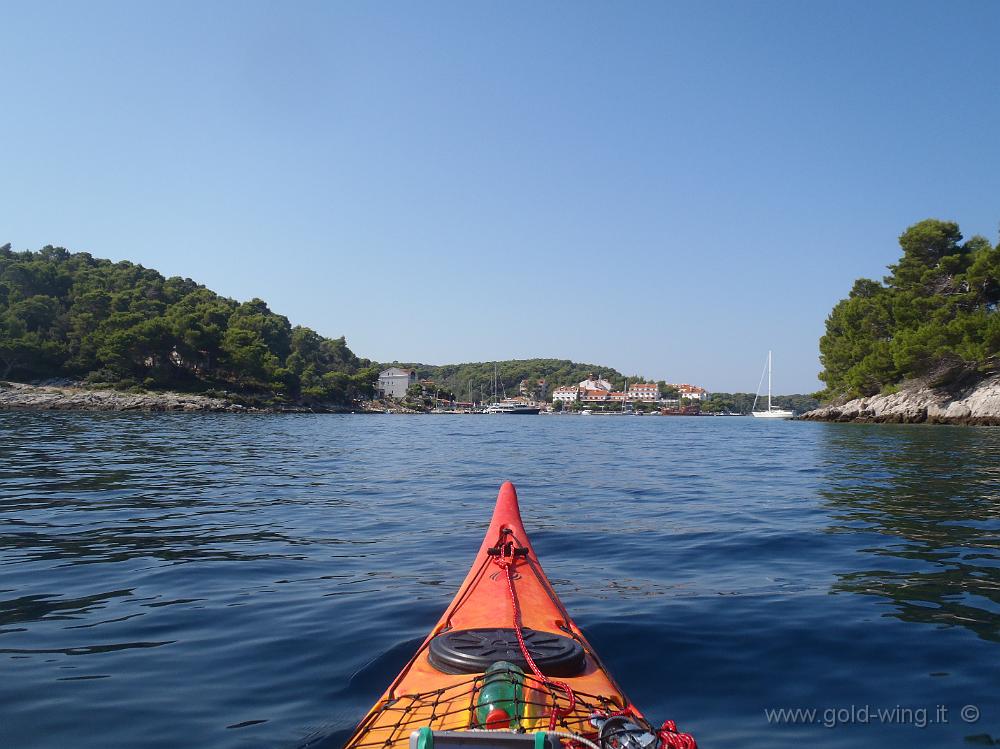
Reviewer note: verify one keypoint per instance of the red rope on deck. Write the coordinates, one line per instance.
(671, 738)
(506, 565)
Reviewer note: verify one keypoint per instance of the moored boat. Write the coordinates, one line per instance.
(772, 412)
(516, 407)
(505, 666)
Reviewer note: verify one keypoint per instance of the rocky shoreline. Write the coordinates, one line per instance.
(66, 395)
(16, 395)
(976, 404)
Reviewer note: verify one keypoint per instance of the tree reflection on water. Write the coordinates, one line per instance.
(929, 498)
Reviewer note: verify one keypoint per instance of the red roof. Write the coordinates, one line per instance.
(690, 388)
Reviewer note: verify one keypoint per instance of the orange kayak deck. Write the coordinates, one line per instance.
(423, 695)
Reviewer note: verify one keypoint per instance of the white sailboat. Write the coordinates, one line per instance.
(772, 412)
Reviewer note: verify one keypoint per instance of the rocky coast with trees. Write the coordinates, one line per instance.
(85, 323)
(922, 344)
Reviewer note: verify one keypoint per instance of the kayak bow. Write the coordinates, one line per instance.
(506, 655)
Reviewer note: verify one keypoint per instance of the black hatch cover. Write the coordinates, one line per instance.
(471, 651)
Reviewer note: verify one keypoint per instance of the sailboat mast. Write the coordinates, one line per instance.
(768, 380)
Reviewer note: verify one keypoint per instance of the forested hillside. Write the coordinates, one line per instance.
(934, 318)
(476, 377)
(71, 315)
(743, 403)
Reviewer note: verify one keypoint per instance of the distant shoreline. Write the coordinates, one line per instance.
(76, 396)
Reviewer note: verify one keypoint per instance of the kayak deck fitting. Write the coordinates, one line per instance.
(506, 666)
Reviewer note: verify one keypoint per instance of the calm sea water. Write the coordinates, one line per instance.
(256, 581)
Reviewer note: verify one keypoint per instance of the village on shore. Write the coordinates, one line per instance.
(399, 390)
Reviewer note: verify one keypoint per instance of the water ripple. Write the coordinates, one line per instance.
(245, 581)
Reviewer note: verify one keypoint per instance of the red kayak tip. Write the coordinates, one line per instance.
(507, 512)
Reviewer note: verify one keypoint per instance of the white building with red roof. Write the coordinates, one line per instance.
(644, 391)
(692, 392)
(592, 383)
(566, 394)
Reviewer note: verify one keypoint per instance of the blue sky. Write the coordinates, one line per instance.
(666, 188)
